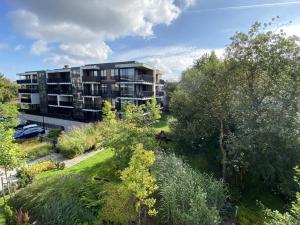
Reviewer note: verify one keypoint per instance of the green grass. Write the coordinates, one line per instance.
(163, 123)
(34, 149)
(89, 166)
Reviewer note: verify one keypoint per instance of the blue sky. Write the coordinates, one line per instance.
(168, 34)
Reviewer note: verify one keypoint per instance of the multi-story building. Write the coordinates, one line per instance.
(77, 93)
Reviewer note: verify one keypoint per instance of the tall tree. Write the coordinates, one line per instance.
(266, 69)
(202, 103)
(8, 90)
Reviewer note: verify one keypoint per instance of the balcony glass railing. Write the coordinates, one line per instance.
(137, 78)
(92, 106)
(58, 91)
(23, 90)
(59, 80)
(25, 100)
(27, 81)
(91, 79)
(92, 93)
(64, 103)
(51, 102)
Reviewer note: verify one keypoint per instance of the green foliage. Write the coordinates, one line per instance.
(8, 115)
(185, 196)
(248, 105)
(54, 133)
(109, 114)
(292, 217)
(10, 155)
(247, 216)
(10, 217)
(8, 90)
(137, 179)
(118, 204)
(34, 149)
(78, 140)
(41, 167)
(24, 177)
(55, 201)
(153, 112)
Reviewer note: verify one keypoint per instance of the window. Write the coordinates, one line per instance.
(127, 90)
(103, 73)
(127, 74)
(104, 88)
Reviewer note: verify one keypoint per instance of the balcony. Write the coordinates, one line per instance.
(91, 79)
(64, 103)
(25, 100)
(91, 93)
(52, 102)
(137, 78)
(23, 90)
(160, 93)
(27, 81)
(161, 82)
(92, 106)
(142, 94)
(60, 92)
(58, 80)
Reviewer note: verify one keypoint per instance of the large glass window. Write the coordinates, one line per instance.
(127, 74)
(127, 90)
(104, 88)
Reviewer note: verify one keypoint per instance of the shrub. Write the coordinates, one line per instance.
(77, 141)
(41, 167)
(55, 201)
(185, 196)
(24, 178)
(54, 133)
(9, 215)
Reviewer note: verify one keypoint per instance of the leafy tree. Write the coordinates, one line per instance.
(264, 143)
(10, 156)
(185, 196)
(8, 115)
(153, 112)
(292, 217)
(138, 180)
(125, 133)
(8, 90)
(109, 114)
(201, 104)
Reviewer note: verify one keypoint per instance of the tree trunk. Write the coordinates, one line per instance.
(223, 151)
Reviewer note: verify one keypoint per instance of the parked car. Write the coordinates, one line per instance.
(28, 133)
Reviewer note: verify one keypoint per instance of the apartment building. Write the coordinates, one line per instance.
(78, 93)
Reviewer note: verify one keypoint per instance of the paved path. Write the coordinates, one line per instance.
(55, 157)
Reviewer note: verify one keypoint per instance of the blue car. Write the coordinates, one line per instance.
(28, 133)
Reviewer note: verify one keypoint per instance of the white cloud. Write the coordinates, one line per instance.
(291, 29)
(71, 24)
(39, 47)
(19, 47)
(172, 60)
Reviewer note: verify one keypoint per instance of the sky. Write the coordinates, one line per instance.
(167, 34)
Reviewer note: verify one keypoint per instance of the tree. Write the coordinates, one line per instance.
(153, 112)
(8, 115)
(137, 179)
(292, 217)
(10, 156)
(109, 114)
(8, 90)
(185, 196)
(264, 143)
(128, 132)
(201, 104)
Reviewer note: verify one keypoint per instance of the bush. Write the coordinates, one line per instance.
(56, 201)
(10, 218)
(77, 141)
(41, 167)
(54, 133)
(35, 149)
(24, 178)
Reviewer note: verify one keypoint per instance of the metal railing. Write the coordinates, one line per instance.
(22, 90)
(25, 100)
(92, 106)
(64, 103)
(58, 80)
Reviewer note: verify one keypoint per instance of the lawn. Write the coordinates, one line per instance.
(89, 166)
(163, 123)
(34, 149)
